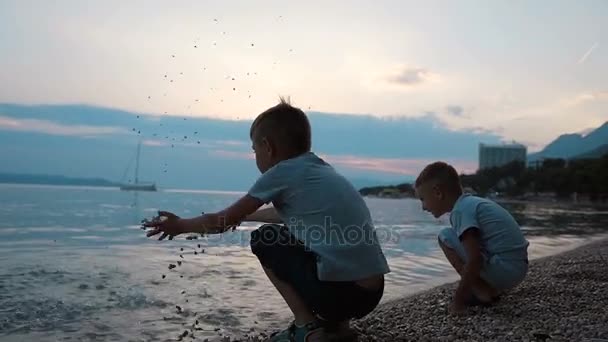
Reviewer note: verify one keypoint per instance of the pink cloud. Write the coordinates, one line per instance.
(54, 128)
(400, 166)
(154, 143)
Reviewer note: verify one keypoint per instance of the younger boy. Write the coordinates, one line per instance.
(325, 261)
(484, 245)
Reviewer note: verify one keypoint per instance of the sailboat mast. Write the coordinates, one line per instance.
(137, 163)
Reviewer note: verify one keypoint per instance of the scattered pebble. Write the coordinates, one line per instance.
(171, 266)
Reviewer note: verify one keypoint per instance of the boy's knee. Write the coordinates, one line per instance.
(445, 237)
(269, 236)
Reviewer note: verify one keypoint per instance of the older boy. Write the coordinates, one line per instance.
(325, 261)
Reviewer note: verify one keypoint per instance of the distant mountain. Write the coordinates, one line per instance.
(15, 178)
(595, 153)
(571, 145)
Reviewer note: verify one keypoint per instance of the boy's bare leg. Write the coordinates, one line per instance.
(452, 257)
(302, 314)
(481, 288)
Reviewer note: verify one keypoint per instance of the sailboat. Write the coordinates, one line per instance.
(137, 186)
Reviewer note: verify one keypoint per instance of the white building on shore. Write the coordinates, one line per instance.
(501, 154)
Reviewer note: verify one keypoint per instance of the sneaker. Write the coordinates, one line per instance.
(311, 332)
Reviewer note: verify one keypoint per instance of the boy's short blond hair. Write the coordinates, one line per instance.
(443, 174)
(284, 125)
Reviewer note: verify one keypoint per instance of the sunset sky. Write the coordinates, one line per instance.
(527, 71)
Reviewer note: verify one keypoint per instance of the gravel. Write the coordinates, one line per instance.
(564, 298)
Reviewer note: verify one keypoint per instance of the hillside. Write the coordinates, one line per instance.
(572, 145)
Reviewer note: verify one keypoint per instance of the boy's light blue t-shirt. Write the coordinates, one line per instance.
(324, 211)
(500, 234)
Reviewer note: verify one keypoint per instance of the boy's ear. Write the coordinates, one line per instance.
(269, 146)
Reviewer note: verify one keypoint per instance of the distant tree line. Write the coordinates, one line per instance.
(559, 177)
(585, 177)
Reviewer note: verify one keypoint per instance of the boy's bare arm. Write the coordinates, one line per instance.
(223, 220)
(472, 268)
(267, 215)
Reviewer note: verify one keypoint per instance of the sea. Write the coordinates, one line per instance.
(76, 266)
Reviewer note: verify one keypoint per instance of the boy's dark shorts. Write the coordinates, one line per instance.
(333, 301)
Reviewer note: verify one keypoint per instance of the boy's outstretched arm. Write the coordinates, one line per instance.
(223, 220)
(472, 268)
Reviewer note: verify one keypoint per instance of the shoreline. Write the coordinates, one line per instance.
(563, 298)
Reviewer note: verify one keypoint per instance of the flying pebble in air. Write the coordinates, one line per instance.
(195, 46)
(195, 132)
(138, 116)
(234, 89)
(198, 142)
(172, 56)
(148, 97)
(252, 44)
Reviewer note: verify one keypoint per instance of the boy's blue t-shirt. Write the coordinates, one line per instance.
(327, 214)
(500, 234)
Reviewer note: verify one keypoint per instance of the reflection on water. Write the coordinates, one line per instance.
(74, 263)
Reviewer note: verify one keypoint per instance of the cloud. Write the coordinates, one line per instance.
(233, 154)
(587, 54)
(455, 110)
(54, 128)
(398, 166)
(235, 143)
(586, 97)
(151, 142)
(411, 76)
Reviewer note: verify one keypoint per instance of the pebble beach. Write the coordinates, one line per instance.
(564, 298)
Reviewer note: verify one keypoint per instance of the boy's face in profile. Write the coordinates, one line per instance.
(432, 198)
(263, 153)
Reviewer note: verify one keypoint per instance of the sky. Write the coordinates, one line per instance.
(518, 70)
(212, 153)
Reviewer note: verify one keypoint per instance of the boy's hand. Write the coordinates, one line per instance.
(166, 223)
